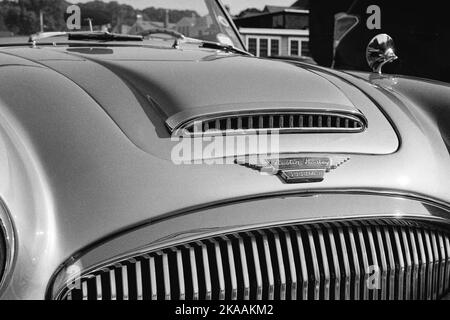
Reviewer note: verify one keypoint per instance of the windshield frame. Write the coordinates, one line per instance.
(230, 20)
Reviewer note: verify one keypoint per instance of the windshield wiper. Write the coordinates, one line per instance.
(103, 36)
(222, 47)
(85, 36)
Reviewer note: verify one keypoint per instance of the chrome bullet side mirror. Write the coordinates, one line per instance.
(381, 50)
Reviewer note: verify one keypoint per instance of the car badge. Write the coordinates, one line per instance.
(295, 170)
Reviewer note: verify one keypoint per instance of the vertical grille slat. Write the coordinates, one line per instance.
(447, 263)
(430, 264)
(293, 271)
(268, 263)
(364, 264)
(244, 268)
(408, 265)
(355, 265)
(257, 264)
(362, 260)
(374, 261)
(125, 293)
(384, 264)
(400, 265)
(281, 266)
(337, 271)
(303, 266)
(415, 268)
(436, 265)
(315, 265)
(154, 288)
(220, 271)
(391, 264)
(443, 258)
(325, 265)
(346, 263)
(232, 266)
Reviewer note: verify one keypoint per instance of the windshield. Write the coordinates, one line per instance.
(199, 19)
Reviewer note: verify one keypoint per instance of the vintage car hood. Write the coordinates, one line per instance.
(182, 80)
(146, 89)
(84, 155)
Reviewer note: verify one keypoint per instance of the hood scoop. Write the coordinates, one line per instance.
(283, 118)
(274, 121)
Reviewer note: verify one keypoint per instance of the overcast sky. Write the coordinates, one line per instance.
(236, 5)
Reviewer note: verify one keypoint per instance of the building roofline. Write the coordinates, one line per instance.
(274, 32)
(288, 10)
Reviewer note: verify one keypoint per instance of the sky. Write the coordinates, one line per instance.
(235, 5)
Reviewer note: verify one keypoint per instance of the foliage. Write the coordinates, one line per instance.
(22, 16)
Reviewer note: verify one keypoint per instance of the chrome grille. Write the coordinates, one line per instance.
(289, 122)
(332, 260)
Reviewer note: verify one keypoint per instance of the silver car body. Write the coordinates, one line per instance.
(85, 157)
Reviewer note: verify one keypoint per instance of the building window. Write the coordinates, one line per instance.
(299, 47)
(263, 46)
(274, 47)
(305, 49)
(294, 44)
(253, 46)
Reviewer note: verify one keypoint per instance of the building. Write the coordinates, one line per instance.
(142, 25)
(197, 27)
(277, 31)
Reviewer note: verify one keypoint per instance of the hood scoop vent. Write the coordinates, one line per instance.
(281, 122)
